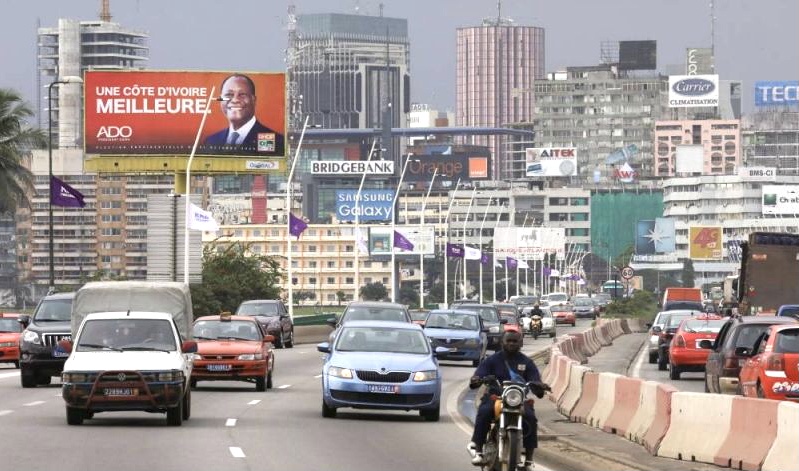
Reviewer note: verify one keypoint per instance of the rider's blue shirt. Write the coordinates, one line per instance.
(519, 363)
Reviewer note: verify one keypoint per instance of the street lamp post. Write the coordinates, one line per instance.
(494, 257)
(468, 212)
(480, 243)
(289, 268)
(393, 228)
(67, 79)
(357, 281)
(446, 242)
(421, 254)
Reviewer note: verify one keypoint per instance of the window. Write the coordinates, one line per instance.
(331, 248)
(311, 248)
(312, 280)
(331, 264)
(349, 280)
(331, 280)
(348, 264)
(311, 264)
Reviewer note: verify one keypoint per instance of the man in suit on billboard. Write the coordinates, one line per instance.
(244, 134)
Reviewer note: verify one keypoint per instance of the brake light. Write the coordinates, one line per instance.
(679, 341)
(775, 362)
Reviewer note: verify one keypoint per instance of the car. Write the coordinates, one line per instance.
(653, 337)
(369, 310)
(460, 331)
(790, 310)
(509, 312)
(39, 358)
(523, 300)
(384, 365)
(671, 322)
(557, 298)
(491, 320)
(725, 360)
(770, 372)
(548, 326)
(232, 348)
(602, 300)
(274, 318)
(684, 351)
(585, 308)
(563, 314)
(10, 332)
(418, 316)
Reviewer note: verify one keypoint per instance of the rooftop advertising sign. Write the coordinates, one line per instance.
(357, 167)
(158, 113)
(381, 240)
(781, 199)
(758, 174)
(705, 243)
(374, 205)
(551, 161)
(450, 167)
(771, 93)
(529, 243)
(688, 91)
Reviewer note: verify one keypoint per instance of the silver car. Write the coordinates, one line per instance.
(652, 348)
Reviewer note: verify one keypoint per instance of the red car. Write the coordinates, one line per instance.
(685, 354)
(10, 331)
(771, 371)
(563, 314)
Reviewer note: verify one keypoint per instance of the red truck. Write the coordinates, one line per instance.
(682, 298)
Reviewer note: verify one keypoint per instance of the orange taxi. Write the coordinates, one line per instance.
(563, 314)
(10, 331)
(771, 371)
(685, 354)
(232, 348)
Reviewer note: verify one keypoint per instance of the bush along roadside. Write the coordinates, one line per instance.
(642, 304)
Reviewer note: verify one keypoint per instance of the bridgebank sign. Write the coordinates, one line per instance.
(355, 167)
(688, 91)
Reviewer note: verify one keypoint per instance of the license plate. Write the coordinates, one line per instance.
(383, 388)
(60, 354)
(219, 367)
(117, 392)
(452, 350)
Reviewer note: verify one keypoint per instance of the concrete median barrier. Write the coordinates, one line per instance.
(573, 392)
(606, 394)
(625, 405)
(312, 333)
(562, 380)
(662, 420)
(645, 410)
(588, 398)
(753, 428)
(550, 371)
(700, 423)
(784, 452)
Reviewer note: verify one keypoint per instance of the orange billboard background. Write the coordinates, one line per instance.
(705, 243)
(158, 113)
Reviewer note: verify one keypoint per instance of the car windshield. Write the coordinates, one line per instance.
(558, 298)
(792, 311)
(362, 313)
(583, 302)
(673, 321)
(226, 330)
(54, 310)
(9, 324)
(126, 334)
(703, 327)
(258, 309)
(452, 320)
(488, 314)
(418, 315)
(384, 340)
(787, 341)
(523, 299)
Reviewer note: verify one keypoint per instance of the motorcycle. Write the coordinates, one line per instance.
(503, 447)
(535, 326)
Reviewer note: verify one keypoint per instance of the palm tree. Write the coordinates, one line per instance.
(16, 139)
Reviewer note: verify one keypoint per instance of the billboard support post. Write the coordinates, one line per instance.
(394, 228)
(480, 243)
(290, 277)
(446, 243)
(421, 254)
(357, 283)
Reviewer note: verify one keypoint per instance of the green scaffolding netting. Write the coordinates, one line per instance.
(614, 216)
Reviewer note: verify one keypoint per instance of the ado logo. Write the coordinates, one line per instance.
(114, 132)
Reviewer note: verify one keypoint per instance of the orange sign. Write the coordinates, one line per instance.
(478, 167)
(158, 113)
(705, 243)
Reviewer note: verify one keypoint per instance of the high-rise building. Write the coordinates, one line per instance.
(497, 64)
(71, 48)
(717, 143)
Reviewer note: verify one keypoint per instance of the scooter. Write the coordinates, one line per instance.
(535, 326)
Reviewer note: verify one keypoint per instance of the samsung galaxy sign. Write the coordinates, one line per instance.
(687, 91)
(352, 167)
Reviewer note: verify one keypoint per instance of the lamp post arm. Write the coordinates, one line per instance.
(446, 241)
(289, 197)
(393, 228)
(480, 243)
(421, 254)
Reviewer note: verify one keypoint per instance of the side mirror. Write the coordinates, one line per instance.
(657, 329)
(323, 347)
(648, 324)
(503, 321)
(442, 352)
(706, 344)
(269, 338)
(64, 346)
(743, 352)
(331, 321)
(189, 346)
(24, 319)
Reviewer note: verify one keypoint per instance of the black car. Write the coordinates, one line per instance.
(39, 359)
(491, 320)
(671, 322)
(273, 317)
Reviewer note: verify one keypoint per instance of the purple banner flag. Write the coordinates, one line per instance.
(484, 259)
(547, 271)
(64, 195)
(296, 225)
(455, 250)
(402, 242)
(511, 263)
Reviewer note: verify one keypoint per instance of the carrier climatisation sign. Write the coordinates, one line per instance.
(373, 205)
(688, 91)
(355, 167)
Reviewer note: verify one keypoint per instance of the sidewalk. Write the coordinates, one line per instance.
(580, 447)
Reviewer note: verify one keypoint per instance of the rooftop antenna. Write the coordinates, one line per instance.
(499, 12)
(381, 10)
(712, 36)
(105, 11)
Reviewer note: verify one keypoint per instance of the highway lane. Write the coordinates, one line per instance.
(234, 427)
(641, 368)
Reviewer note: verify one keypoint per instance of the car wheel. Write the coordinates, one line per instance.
(662, 362)
(27, 378)
(431, 415)
(327, 411)
(74, 416)
(43, 380)
(653, 358)
(174, 415)
(187, 405)
(269, 380)
(674, 371)
(760, 392)
(193, 383)
(290, 342)
(279, 340)
(260, 383)
(16, 364)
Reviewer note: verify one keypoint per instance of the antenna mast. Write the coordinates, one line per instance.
(712, 36)
(105, 11)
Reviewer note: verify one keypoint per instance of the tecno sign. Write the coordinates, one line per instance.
(358, 167)
(693, 90)
(772, 93)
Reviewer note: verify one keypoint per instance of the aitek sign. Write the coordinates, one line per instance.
(373, 205)
(357, 167)
(687, 91)
(551, 161)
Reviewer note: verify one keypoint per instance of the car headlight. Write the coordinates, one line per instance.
(428, 375)
(31, 337)
(196, 356)
(471, 342)
(494, 329)
(513, 398)
(74, 377)
(339, 372)
(166, 376)
(251, 356)
(8, 344)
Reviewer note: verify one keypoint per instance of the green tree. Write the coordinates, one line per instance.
(303, 295)
(436, 293)
(409, 295)
(16, 140)
(340, 296)
(374, 291)
(231, 276)
(688, 273)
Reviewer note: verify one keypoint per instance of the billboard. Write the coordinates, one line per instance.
(758, 174)
(654, 236)
(689, 158)
(638, 55)
(422, 237)
(698, 61)
(467, 167)
(160, 112)
(352, 167)
(781, 199)
(529, 243)
(704, 243)
(772, 93)
(687, 91)
(374, 205)
(551, 161)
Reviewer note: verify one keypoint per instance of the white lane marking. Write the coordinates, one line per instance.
(58, 395)
(5, 412)
(452, 409)
(13, 374)
(284, 386)
(252, 403)
(639, 362)
(303, 352)
(237, 452)
(318, 376)
(34, 403)
(230, 423)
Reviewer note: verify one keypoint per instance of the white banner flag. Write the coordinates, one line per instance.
(201, 220)
(523, 264)
(471, 253)
(360, 242)
(554, 272)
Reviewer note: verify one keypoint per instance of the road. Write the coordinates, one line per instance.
(233, 427)
(641, 368)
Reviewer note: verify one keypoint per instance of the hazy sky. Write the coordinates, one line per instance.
(755, 39)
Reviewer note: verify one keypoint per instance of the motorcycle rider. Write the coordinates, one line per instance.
(507, 364)
(535, 311)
